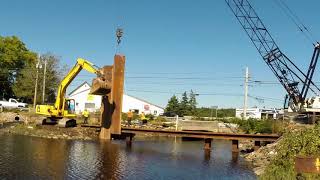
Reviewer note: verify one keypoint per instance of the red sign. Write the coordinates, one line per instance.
(146, 107)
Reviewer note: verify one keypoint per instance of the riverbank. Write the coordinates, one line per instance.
(50, 132)
(276, 160)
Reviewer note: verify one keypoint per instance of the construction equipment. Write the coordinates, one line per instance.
(63, 110)
(296, 83)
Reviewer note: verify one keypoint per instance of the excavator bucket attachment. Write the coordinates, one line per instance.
(102, 85)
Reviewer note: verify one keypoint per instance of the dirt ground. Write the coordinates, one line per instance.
(51, 131)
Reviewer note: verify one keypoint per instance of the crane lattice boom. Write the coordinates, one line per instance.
(289, 75)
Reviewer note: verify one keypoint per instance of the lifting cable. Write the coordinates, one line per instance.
(119, 25)
(296, 20)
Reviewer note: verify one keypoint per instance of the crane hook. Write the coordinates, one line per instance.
(119, 34)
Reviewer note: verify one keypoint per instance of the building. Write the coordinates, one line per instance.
(83, 100)
(259, 113)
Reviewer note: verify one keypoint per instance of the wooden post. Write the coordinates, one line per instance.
(207, 144)
(117, 92)
(313, 118)
(129, 140)
(235, 156)
(235, 146)
(257, 145)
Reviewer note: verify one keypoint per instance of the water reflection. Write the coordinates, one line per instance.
(24, 157)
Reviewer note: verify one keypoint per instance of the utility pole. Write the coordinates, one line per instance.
(217, 113)
(245, 94)
(216, 108)
(44, 80)
(38, 65)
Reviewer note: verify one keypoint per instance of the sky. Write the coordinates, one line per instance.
(171, 46)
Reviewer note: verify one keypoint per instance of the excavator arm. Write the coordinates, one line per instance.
(58, 111)
(81, 64)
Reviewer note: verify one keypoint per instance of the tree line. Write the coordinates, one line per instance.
(187, 106)
(19, 68)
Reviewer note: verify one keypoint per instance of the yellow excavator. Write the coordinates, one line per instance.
(63, 110)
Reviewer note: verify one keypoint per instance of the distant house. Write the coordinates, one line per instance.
(259, 113)
(84, 100)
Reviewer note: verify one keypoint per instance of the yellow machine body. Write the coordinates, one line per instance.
(63, 107)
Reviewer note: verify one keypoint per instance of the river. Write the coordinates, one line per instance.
(24, 157)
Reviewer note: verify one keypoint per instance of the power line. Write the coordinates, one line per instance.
(296, 20)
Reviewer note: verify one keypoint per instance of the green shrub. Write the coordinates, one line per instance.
(303, 142)
(150, 117)
(252, 125)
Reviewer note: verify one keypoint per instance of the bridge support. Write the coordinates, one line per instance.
(257, 145)
(207, 144)
(235, 146)
(129, 139)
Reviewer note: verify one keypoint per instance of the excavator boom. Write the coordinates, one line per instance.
(61, 108)
(81, 64)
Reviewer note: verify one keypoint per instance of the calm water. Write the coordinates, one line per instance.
(23, 157)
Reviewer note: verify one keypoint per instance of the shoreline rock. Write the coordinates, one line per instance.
(262, 157)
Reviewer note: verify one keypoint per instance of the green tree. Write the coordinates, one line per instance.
(173, 105)
(206, 112)
(24, 86)
(14, 56)
(184, 106)
(192, 104)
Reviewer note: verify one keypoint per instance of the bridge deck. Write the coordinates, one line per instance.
(209, 135)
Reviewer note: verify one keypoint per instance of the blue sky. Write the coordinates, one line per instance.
(170, 46)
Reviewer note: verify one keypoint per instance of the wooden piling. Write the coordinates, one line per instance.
(235, 146)
(129, 140)
(207, 144)
(257, 145)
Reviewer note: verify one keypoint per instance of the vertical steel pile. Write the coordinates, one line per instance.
(110, 87)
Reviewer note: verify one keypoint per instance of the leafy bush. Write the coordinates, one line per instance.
(304, 142)
(158, 120)
(150, 117)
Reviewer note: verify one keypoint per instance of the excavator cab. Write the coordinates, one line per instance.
(69, 107)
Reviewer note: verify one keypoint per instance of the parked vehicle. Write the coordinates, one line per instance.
(13, 103)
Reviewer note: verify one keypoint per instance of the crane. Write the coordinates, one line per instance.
(63, 109)
(295, 82)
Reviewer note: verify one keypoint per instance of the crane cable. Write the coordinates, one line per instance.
(119, 25)
(297, 21)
